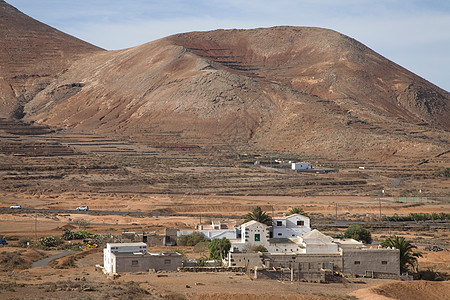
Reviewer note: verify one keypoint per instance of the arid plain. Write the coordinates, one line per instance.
(201, 126)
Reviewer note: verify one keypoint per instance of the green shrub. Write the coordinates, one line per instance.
(50, 241)
(359, 233)
(191, 239)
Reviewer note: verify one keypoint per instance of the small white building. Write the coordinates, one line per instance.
(253, 234)
(301, 166)
(111, 249)
(134, 257)
(291, 226)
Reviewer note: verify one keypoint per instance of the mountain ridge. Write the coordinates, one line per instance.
(288, 89)
(31, 53)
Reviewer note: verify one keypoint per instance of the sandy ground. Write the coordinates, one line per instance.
(58, 283)
(228, 285)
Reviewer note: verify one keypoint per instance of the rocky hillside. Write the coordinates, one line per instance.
(287, 89)
(31, 55)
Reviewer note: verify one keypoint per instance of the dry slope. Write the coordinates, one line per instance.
(304, 90)
(31, 54)
(290, 89)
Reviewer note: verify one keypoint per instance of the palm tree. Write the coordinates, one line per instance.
(257, 214)
(408, 258)
(296, 210)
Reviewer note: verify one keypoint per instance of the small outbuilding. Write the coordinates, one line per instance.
(301, 166)
(134, 257)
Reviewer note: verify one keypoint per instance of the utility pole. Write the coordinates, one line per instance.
(35, 227)
(379, 201)
(336, 212)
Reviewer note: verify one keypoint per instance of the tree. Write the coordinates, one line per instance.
(408, 257)
(359, 233)
(219, 248)
(296, 210)
(191, 239)
(257, 214)
(260, 248)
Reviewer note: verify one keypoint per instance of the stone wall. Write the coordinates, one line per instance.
(378, 263)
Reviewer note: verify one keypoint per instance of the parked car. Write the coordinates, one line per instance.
(83, 208)
(16, 206)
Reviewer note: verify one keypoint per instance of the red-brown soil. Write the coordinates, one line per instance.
(416, 290)
(31, 55)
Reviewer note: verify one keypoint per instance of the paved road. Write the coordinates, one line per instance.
(44, 262)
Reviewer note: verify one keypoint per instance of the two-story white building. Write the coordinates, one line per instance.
(290, 226)
(253, 234)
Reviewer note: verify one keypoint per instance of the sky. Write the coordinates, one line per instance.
(413, 33)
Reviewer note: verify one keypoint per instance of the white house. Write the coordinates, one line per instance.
(301, 166)
(291, 226)
(134, 257)
(115, 248)
(253, 233)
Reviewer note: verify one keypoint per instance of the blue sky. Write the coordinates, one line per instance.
(413, 33)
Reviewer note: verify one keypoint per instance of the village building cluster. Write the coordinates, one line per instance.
(289, 244)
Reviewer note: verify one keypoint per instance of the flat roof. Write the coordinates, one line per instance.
(141, 254)
(126, 244)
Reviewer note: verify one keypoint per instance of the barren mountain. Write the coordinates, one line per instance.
(31, 55)
(289, 89)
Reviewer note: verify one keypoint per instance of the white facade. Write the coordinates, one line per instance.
(288, 246)
(317, 242)
(301, 166)
(213, 233)
(291, 226)
(253, 234)
(109, 260)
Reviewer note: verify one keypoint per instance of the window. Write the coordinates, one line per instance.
(167, 261)
(384, 262)
(357, 262)
(134, 263)
(279, 233)
(279, 223)
(257, 237)
(300, 223)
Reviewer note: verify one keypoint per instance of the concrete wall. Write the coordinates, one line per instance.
(302, 262)
(285, 248)
(248, 259)
(143, 263)
(380, 261)
(305, 262)
(213, 233)
(321, 248)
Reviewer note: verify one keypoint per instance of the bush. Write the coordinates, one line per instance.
(359, 233)
(12, 260)
(79, 235)
(24, 242)
(260, 248)
(201, 247)
(50, 241)
(442, 173)
(191, 239)
(431, 275)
